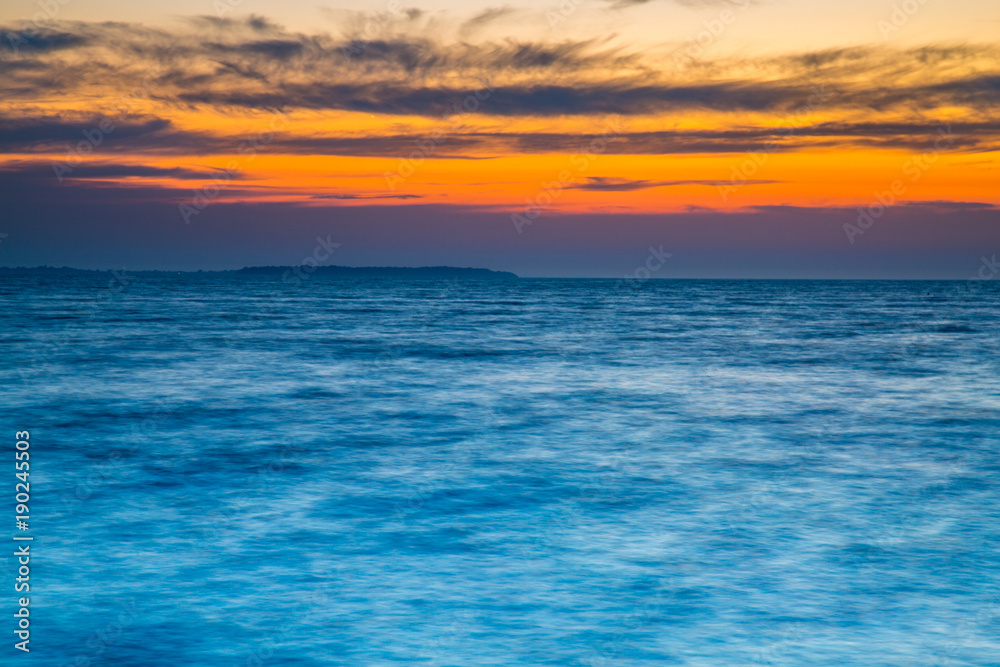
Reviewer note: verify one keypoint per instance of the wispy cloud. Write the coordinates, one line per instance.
(50, 134)
(484, 18)
(256, 64)
(104, 170)
(614, 184)
(349, 197)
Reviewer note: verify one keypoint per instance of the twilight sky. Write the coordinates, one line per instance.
(758, 138)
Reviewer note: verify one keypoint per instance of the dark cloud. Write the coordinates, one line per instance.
(347, 197)
(252, 23)
(46, 133)
(975, 91)
(49, 134)
(33, 40)
(103, 170)
(613, 184)
(252, 63)
(909, 136)
(281, 49)
(405, 54)
(512, 100)
(413, 53)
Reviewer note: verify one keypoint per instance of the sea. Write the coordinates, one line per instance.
(238, 471)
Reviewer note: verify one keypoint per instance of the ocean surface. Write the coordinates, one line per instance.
(238, 471)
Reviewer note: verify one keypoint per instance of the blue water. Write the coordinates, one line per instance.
(236, 471)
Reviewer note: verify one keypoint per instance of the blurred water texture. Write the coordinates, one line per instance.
(235, 471)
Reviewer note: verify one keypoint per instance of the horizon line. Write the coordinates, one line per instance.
(247, 271)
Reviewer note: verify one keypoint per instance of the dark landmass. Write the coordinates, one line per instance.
(55, 270)
(382, 272)
(409, 273)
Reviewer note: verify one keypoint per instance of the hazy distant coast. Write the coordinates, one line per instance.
(411, 273)
(386, 272)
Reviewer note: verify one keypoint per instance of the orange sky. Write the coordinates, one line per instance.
(487, 110)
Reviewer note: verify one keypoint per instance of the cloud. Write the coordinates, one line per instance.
(52, 134)
(40, 40)
(613, 184)
(356, 196)
(105, 170)
(280, 49)
(49, 223)
(622, 4)
(61, 134)
(253, 23)
(244, 65)
(484, 18)
(583, 98)
(254, 63)
(56, 132)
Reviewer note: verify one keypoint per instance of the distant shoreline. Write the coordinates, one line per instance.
(296, 274)
(423, 272)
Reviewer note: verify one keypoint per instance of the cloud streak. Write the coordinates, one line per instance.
(107, 171)
(614, 184)
(51, 134)
(254, 64)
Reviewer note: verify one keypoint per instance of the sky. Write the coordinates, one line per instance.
(743, 138)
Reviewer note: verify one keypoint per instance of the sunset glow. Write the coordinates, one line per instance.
(541, 111)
